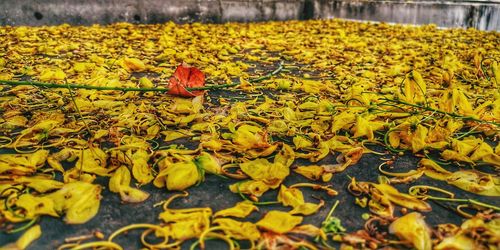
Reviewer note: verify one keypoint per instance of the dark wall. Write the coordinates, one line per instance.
(483, 15)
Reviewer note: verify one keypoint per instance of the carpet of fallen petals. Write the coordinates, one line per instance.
(294, 93)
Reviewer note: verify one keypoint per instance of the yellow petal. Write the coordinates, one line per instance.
(418, 140)
(52, 75)
(341, 120)
(40, 184)
(433, 170)
(22, 164)
(394, 139)
(119, 183)
(133, 64)
(309, 230)
(362, 128)
(306, 208)
(414, 88)
(462, 102)
(92, 160)
(301, 142)
(290, 196)
(144, 82)
(186, 223)
(412, 228)
(254, 188)
(311, 172)
(241, 210)
(133, 195)
(121, 177)
(483, 151)
(457, 242)
(248, 137)
(172, 135)
(466, 146)
(286, 156)
(28, 237)
(453, 155)
(279, 222)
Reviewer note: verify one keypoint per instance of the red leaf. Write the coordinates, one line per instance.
(184, 77)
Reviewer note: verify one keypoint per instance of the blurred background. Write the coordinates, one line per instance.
(479, 14)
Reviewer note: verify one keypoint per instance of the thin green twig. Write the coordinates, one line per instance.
(453, 115)
(78, 110)
(83, 86)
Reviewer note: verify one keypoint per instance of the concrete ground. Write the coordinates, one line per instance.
(214, 193)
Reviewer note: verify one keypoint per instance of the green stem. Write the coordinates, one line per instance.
(471, 201)
(388, 145)
(269, 75)
(78, 86)
(83, 86)
(78, 110)
(434, 160)
(24, 227)
(467, 133)
(453, 115)
(483, 204)
(332, 209)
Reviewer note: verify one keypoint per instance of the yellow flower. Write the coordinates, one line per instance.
(485, 153)
(79, 200)
(294, 198)
(475, 182)
(209, 163)
(133, 64)
(261, 169)
(238, 230)
(402, 199)
(249, 137)
(457, 242)
(414, 89)
(363, 128)
(120, 183)
(342, 120)
(140, 167)
(418, 139)
(178, 176)
(52, 75)
(286, 156)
